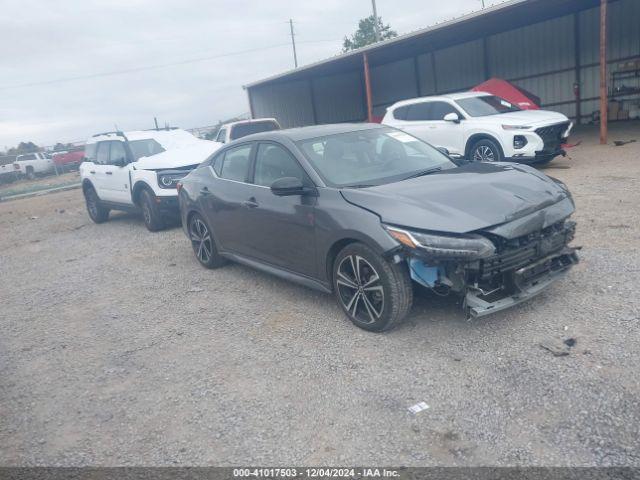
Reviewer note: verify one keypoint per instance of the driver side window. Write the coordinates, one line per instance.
(118, 154)
(102, 157)
(274, 162)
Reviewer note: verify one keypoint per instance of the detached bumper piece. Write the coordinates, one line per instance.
(525, 282)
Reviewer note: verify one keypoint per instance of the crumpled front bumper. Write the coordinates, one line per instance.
(529, 281)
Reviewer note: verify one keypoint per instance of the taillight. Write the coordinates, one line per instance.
(16, 166)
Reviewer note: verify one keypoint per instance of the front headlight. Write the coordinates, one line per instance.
(469, 247)
(169, 179)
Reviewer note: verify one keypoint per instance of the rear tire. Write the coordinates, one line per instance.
(203, 244)
(486, 150)
(97, 212)
(150, 212)
(374, 293)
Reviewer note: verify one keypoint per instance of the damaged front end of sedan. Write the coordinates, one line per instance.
(494, 268)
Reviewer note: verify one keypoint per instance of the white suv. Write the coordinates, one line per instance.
(139, 170)
(482, 127)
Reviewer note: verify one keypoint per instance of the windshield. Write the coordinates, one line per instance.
(243, 129)
(145, 148)
(486, 105)
(371, 157)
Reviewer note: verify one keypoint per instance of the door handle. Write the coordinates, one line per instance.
(205, 191)
(251, 203)
(92, 172)
(109, 173)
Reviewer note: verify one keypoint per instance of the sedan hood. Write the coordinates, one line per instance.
(461, 200)
(179, 157)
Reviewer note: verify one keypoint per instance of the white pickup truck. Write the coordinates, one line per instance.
(7, 172)
(242, 128)
(31, 164)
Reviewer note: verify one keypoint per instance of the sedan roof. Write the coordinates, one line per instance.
(313, 131)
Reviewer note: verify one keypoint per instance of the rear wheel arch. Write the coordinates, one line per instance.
(476, 137)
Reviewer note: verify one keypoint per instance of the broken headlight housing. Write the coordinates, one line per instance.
(464, 247)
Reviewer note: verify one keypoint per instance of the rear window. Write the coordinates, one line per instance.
(400, 113)
(145, 148)
(244, 129)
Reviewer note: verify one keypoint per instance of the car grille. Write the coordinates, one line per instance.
(552, 136)
(522, 251)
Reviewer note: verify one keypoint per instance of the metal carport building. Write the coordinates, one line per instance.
(553, 48)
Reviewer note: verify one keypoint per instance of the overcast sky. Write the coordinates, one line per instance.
(47, 41)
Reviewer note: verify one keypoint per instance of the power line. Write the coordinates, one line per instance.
(293, 44)
(151, 67)
(376, 27)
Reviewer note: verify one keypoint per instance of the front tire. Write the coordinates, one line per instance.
(150, 212)
(97, 212)
(203, 244)
(374, 293)
(485, 150)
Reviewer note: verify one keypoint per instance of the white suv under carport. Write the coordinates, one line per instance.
(482, 127)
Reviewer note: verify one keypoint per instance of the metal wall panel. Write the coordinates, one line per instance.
(289, 103)
(339, 98)
(426, 75)
(553, 88)
(459, 67)
(590, 82)
(624, 29)
(393, 82)
(532, 50)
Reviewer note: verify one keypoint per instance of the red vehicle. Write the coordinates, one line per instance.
(68, 159)
(510, 92)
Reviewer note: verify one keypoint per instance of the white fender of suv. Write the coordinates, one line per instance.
(482, 127)
(139, 171)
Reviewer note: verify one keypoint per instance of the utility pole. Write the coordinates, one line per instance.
(293, 44)
(482, 4)
(375, 20)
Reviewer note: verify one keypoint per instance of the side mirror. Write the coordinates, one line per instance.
(120, 162)
(288, 186)
(443, 150)
(452, 117)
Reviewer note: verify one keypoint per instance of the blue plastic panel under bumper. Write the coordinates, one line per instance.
(537, 280)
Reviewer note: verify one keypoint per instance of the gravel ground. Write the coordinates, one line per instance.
(117, 348)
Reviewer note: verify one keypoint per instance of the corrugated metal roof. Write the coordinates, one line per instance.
(489, 12)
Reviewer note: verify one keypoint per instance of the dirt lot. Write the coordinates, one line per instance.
(118, 349)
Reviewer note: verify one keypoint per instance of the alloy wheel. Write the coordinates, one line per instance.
(201, 239)
(146, 213)
(92, 205)
(360, 289)
(484, 154)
